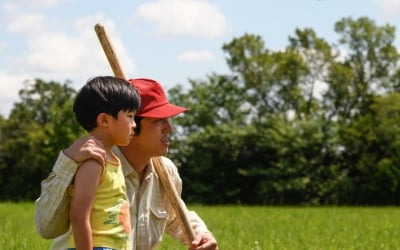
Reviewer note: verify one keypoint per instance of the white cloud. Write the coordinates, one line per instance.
(183, 18)
(54, 52)
(193, 55)
(76, 56)
(43, 3)
(28, 23)
(16, 5)
(389, 8)
(85, 27)
(9, 88)
(73, 53)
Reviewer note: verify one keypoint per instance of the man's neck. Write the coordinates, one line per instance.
(138, 160)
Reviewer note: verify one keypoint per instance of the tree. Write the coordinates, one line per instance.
(271, 80)
(372, 159)
(266, 133)
(40, 125)
(369, 62)
(266, 130)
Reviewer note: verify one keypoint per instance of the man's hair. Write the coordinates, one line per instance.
(104, 94)
(138, 121)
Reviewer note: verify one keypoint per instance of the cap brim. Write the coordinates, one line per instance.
(164, 111)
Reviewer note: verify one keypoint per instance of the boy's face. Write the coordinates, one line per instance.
(153, 139)
(123, 128)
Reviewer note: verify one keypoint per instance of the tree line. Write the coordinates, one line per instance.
(314, 123)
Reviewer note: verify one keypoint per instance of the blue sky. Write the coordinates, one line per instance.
(167, 40)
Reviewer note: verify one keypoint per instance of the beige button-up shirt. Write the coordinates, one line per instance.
(151, 213)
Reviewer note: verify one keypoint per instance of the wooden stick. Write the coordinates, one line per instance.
(175, 199)
(169, 188)
(109, 51)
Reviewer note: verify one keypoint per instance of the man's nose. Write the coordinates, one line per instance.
(167, 125)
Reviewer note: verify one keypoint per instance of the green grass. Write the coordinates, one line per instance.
(240, 227)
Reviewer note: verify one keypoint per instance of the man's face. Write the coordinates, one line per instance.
(154, 136)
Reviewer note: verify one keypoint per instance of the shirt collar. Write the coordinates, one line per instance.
(127, 169)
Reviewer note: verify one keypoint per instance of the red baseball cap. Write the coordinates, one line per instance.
(154, 103)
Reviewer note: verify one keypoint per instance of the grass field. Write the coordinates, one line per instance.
(240, 227)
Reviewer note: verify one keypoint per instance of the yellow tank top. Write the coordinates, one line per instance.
(110, 218)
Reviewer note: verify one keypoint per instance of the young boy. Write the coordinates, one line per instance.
(99, 215)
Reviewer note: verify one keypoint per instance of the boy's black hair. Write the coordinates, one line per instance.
(104, 94)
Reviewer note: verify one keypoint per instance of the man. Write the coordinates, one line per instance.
(151, 213)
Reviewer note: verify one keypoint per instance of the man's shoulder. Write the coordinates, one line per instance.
(170, 165)
(167, 161)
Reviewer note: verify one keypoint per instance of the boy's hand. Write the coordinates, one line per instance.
(86, 148)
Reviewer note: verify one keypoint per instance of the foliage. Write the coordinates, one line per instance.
(372, 153)
(315, 123)
(39, 126)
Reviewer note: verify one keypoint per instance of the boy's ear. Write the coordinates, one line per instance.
(103, 120)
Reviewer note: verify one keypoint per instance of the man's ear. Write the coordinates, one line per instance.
(103, 120)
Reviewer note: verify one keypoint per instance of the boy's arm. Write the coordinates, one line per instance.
(86, 183)
(52, 207)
